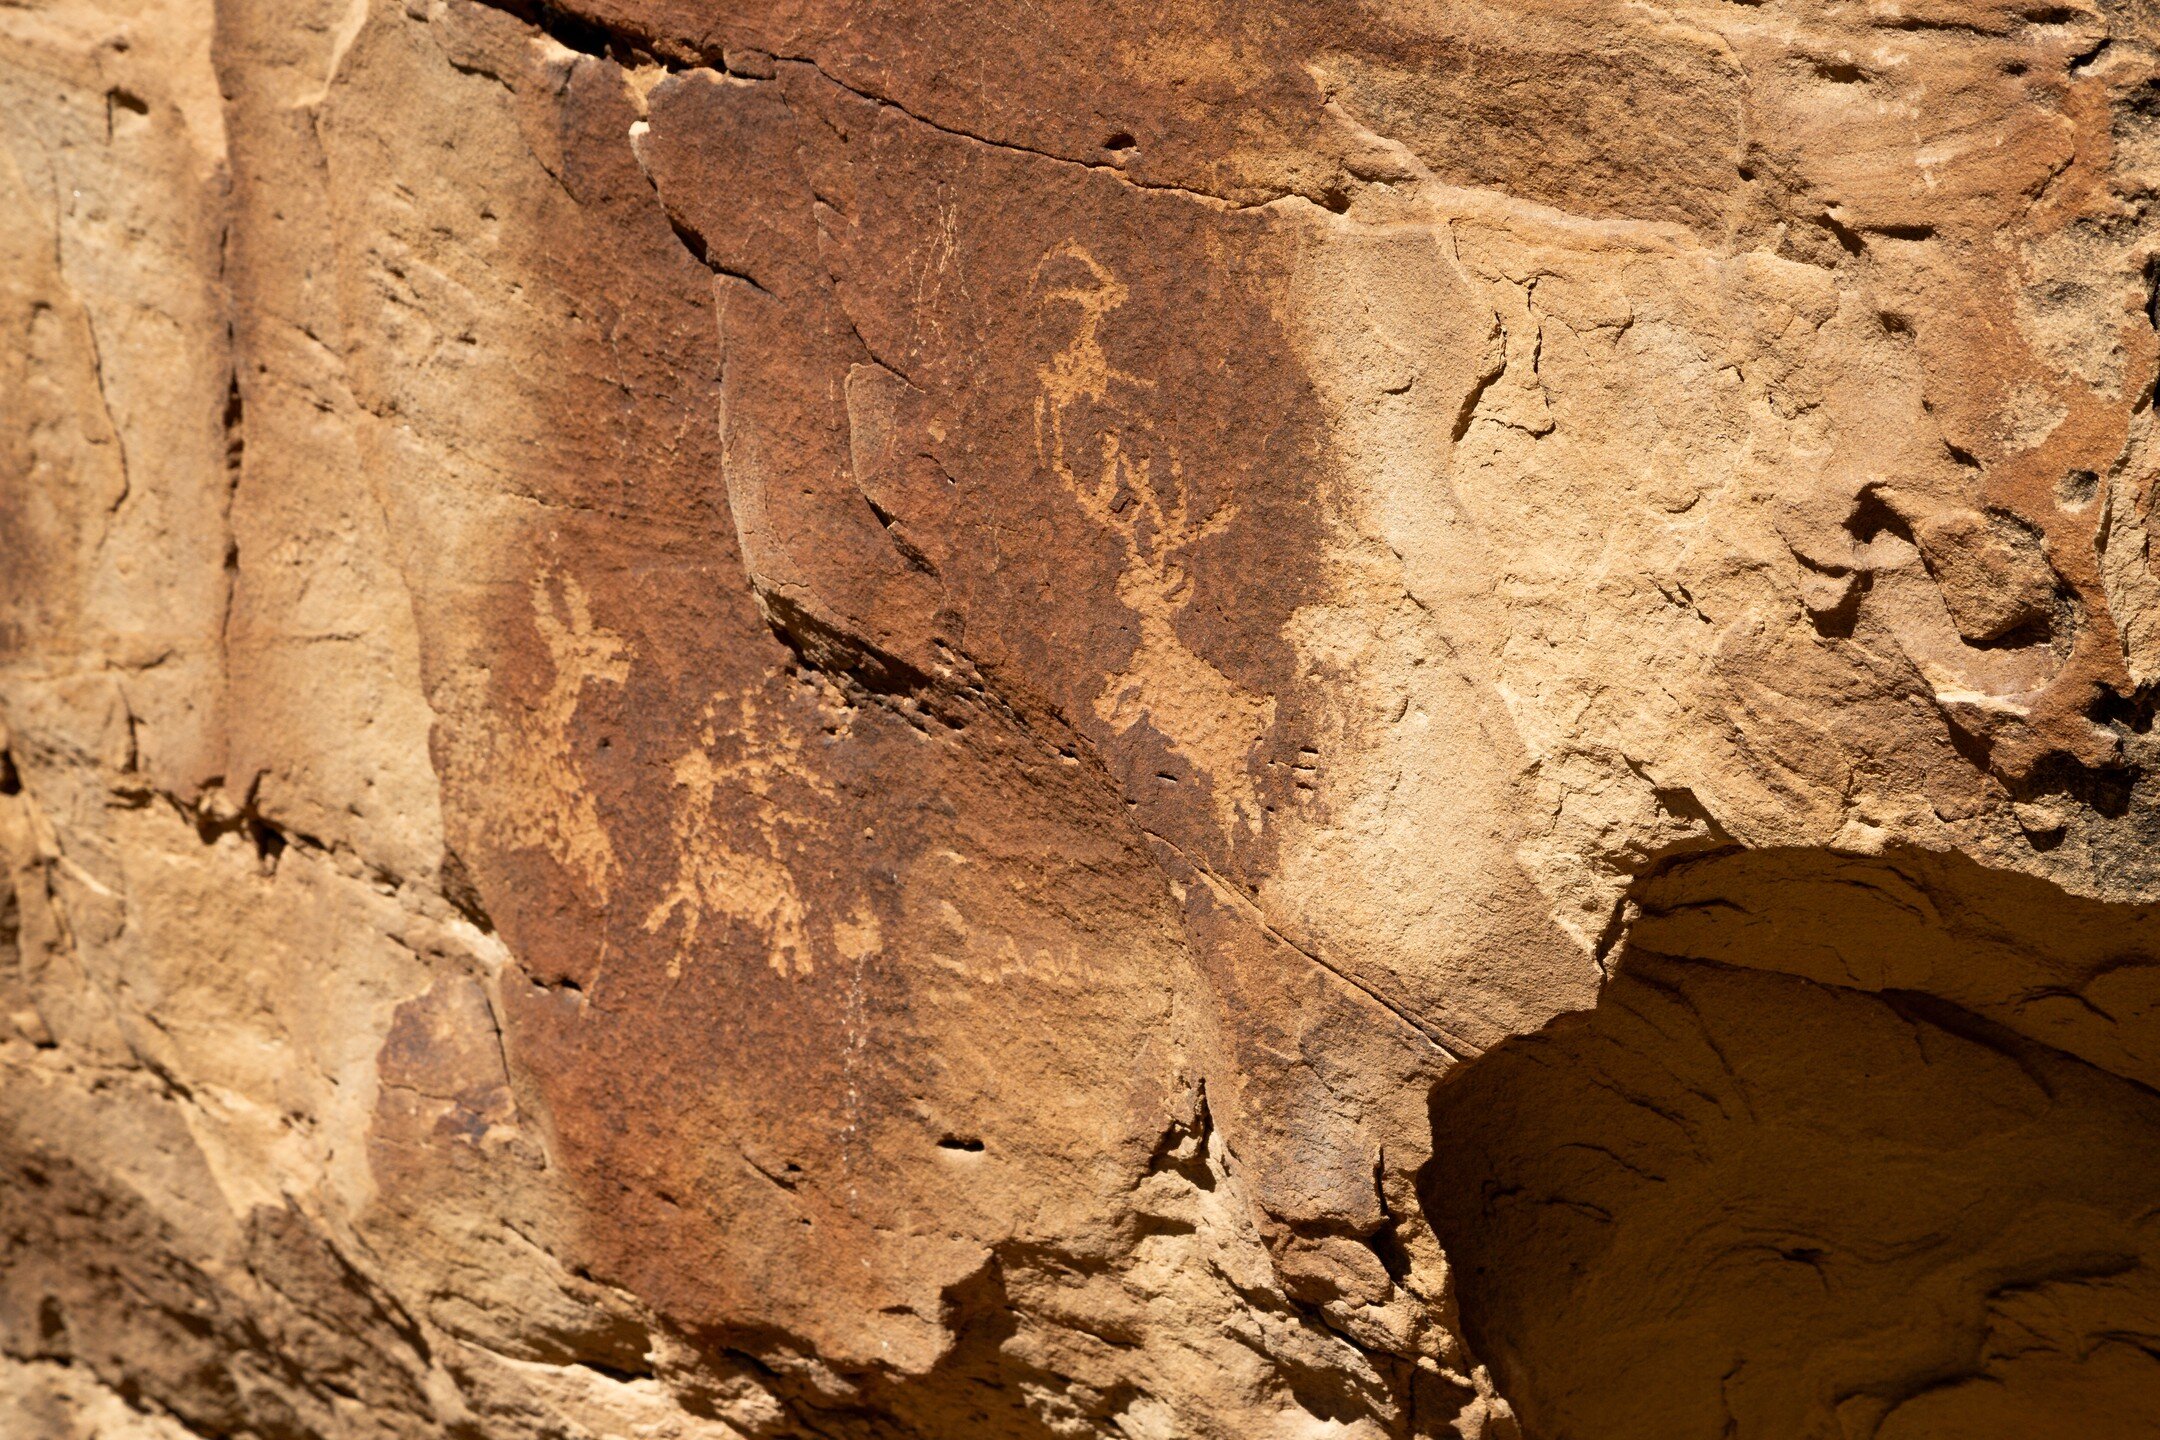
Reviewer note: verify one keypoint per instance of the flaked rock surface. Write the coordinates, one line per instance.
(789, 718)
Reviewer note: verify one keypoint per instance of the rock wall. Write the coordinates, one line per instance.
(778, 718)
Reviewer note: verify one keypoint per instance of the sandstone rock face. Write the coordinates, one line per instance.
(756, 718)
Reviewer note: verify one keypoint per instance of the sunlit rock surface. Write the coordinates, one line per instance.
(790, 718)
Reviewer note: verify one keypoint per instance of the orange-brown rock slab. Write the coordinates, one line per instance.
(935, 719)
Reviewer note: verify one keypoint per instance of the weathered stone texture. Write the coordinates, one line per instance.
(754, 718)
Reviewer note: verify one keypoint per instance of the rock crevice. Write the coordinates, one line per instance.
(1151, 721)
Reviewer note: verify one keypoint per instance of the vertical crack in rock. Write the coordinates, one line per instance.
(886, 722)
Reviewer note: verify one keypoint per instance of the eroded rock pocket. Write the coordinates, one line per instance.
(1734, 1202)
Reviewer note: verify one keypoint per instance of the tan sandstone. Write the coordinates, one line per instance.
(1270, 721)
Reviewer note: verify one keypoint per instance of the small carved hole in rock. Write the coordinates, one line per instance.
(2132, 713)
(1872, 517)
(1388, 1248)
(2076, 489)
(966, 1145)
(1120, 141)
(1335, 199)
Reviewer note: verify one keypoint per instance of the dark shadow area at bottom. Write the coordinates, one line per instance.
(1732, 1202)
